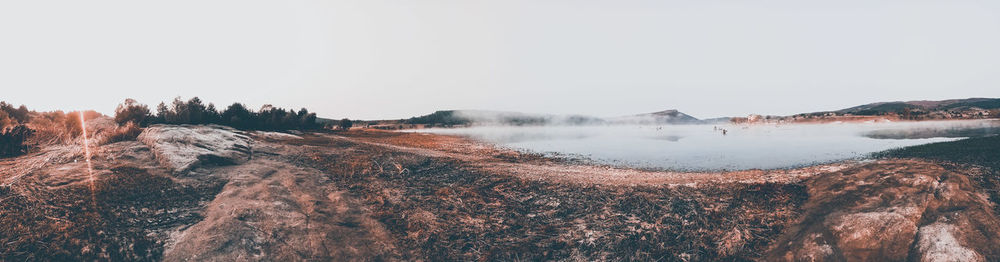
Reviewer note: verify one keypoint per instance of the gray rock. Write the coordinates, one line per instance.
(185, 147)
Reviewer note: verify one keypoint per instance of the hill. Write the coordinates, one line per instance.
(665, 117)
(970, 108)
(486, 117)
(927, 105)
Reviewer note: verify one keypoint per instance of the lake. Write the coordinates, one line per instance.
(705, 147)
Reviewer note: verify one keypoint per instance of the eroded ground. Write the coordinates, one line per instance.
(372, 195)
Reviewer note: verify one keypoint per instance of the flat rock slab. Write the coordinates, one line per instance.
(898, 210)
(184, 147)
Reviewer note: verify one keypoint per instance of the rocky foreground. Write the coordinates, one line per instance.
(192, 193)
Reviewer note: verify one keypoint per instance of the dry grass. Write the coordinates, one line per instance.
(127, 132)
(62, 128)
(66, 224)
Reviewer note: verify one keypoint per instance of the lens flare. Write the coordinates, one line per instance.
(86, 152)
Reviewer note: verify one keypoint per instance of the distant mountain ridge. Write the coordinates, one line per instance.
(486, 117)
(669, 117)
(914, 110)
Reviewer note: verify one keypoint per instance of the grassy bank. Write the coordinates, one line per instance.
(980, 151)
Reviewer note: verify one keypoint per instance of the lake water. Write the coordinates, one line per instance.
(704, 147)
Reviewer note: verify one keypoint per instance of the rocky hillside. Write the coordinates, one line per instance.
(900, 211)
(971, 108)
(180, 193)
(932, 105)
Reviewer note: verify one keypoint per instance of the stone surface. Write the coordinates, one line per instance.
(892, 211)
(183, 148)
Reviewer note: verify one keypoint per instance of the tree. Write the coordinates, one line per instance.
(162, 113)
(195, 111)
(309, 121)
(289, 121)
(212, 115)
(345, 124)
(132, 111)
(181, 114)
(237, 115)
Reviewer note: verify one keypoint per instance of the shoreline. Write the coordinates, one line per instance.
(527, 165)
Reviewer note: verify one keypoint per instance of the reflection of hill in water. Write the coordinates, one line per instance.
(704, 147)
(984, 129)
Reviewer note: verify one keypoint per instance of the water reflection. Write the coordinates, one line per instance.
(938, 129)
(704, 147)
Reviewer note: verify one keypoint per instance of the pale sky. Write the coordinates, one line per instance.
(374, 59)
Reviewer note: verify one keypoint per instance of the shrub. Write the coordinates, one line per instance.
(72, 125)
(57, 126)
(5, 120)
(50, 127)
(12, 140)
(20, 114)
(127, 132)
(132, 112)
(345, 124)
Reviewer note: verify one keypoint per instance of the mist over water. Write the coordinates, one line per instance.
(704, 147)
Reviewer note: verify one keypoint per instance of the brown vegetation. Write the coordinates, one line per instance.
(21, 129)
(373, 195)
(127, 132)
(49, 212)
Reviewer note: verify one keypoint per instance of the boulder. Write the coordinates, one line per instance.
(184, 147)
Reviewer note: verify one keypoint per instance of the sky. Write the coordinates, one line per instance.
(378, 59)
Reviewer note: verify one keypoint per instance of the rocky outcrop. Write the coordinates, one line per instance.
(183, 148)
(895, 210)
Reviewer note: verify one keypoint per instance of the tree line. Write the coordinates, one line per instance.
(195, 112)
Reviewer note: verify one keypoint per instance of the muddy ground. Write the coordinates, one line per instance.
(375, 195)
